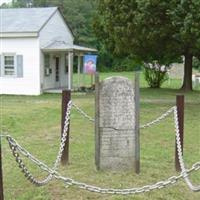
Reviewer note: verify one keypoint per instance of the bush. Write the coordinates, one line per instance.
(196, 63)
(126, 64)
(110, 63)
(155, 74)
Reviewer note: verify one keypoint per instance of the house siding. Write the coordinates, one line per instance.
(55, 29)
(63, 74)
(29, 84)
(49, 81)
(34, 80)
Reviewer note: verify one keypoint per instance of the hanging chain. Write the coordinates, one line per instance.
(64, 135)
(24, 169)
(180, 155)
(163, 116)
(83, 113)
(68, 181)
(58, 158)
(14, 145)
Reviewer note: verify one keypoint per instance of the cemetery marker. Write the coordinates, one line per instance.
(116, 124)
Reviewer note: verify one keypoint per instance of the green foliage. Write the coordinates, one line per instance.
(20, 3)
(126, 64)
(43, 3)
(108, 62)
(151, 30)
(196, 63)
(80, 16)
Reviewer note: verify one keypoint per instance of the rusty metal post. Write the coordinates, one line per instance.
(97, 132)
(66, 96)
(137, 121)
(180, 110)
(1, 175)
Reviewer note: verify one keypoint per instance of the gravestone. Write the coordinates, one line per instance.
(117, 124)
(176, 71)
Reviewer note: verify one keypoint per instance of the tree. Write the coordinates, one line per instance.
(196, 64)
(20, 3)
(153, 30)
(79, 15)
(185, 19)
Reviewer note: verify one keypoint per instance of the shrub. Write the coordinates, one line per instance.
(155, 74)
(196, 63)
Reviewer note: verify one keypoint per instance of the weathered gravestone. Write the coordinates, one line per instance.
(117, 119)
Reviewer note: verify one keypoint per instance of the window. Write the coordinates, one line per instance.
(47, 60)
(9, 65)
(47, 64)
(57, 69)
(66, 64)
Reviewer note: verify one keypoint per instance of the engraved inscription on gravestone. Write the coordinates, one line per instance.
(115, 121)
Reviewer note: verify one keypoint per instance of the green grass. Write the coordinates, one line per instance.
(86, 80)
(35, 123)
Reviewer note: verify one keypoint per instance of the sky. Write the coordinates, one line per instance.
(4, 1)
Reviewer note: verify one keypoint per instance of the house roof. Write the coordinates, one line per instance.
(20, 20)
(63, 46)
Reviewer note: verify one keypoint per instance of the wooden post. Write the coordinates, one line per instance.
(83, 76)
(180, 110)
(66, 96)
(97, 139)
(137, 122)
(79, 69)
(92, 80)
(70, 70)
(1, 175)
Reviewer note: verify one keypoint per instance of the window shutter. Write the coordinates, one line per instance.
(0, 66)
(19, 66)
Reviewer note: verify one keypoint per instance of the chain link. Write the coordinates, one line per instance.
(68, 181)
(160, 118)
(180, 156)
(163, 116)
(27, 174)
(84, 114)
(64, 135)
(22, 166)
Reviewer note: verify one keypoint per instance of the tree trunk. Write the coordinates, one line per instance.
(187, 81)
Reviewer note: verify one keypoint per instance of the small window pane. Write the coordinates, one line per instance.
(66, 64)
(9, 73)
(9, 60)
(47, 64)
(47, 60)
(9, 65)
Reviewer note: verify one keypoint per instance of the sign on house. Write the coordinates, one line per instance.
(90, 62)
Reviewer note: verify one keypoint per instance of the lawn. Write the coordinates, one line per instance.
(35, 123)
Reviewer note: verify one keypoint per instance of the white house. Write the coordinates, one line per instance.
(36, 51)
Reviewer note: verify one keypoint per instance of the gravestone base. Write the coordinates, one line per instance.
(116, 149)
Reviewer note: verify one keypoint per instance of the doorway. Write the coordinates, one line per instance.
(57, 71)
